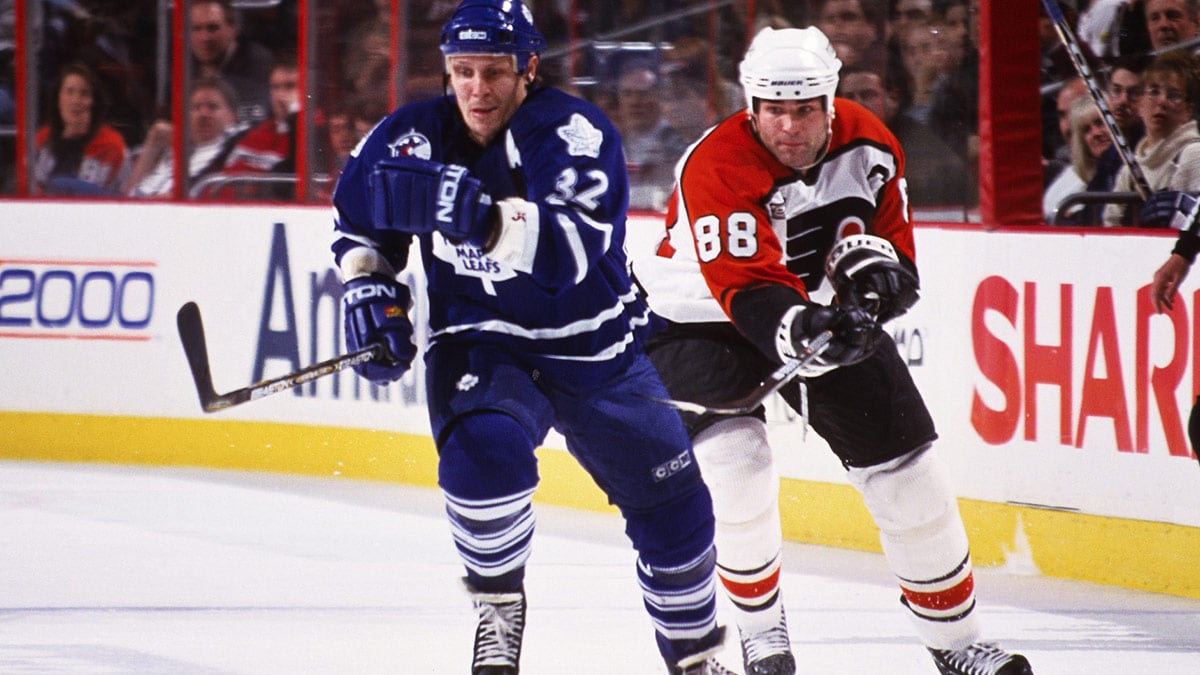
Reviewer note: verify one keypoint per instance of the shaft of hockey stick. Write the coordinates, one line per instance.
(1068, 39)
(773, 383)
(191, 334)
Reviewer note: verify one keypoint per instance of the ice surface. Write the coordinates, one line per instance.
(108, 569)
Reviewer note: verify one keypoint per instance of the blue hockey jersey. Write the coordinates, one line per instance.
(576, 300)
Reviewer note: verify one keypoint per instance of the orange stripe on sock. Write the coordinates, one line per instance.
(949, 598)
(753, 589)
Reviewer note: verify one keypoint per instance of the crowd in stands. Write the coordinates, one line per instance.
(919, 58)
(105, 122)
(1143, 56)
(664, 71)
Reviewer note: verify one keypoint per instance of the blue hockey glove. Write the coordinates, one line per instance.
(420, 196)
(376, 312)
(1166, 209)
(855, 332)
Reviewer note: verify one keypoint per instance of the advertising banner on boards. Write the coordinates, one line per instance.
(1051, 380)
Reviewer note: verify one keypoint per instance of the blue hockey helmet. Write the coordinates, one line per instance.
(493, 27)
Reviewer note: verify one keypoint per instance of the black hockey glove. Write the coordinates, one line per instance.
(1166, 209)
(375, 309)
(420, 196)
(855, 332)
(865, 271)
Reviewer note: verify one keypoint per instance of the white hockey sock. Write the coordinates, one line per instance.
(738, 468)
(925, 543)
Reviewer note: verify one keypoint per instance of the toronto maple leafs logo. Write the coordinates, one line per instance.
(469, 261)
(583, 139)
(467, 382)
(411, 144)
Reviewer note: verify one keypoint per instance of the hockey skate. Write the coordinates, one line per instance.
(498, 636)
(708, 666)
(769, 652)
(703, 662)
(980, 658)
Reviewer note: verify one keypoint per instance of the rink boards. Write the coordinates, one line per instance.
(1060, 398)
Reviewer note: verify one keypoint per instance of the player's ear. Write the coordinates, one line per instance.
(531, 69)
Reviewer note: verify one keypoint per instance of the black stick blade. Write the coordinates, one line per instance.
(191, 334)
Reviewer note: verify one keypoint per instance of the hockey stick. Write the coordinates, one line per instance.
(1068, 39)
(191, 334)
(772, 384)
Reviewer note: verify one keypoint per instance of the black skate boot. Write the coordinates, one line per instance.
(980, 658)
(498, 636)
(769, 652)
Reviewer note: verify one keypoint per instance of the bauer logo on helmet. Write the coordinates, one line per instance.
(789, 63)
(493, 27)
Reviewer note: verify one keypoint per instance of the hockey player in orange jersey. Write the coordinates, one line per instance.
(790, 219)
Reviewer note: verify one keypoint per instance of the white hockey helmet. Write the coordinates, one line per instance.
(789, 63)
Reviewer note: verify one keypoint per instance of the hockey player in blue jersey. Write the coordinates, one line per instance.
(515, 194)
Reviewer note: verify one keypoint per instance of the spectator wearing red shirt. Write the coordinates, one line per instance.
(76, 153)
(269, 146)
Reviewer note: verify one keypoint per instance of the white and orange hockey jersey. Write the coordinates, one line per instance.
(739, 219)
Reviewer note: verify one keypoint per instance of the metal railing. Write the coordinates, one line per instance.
(1090, 198)
(207, 187)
